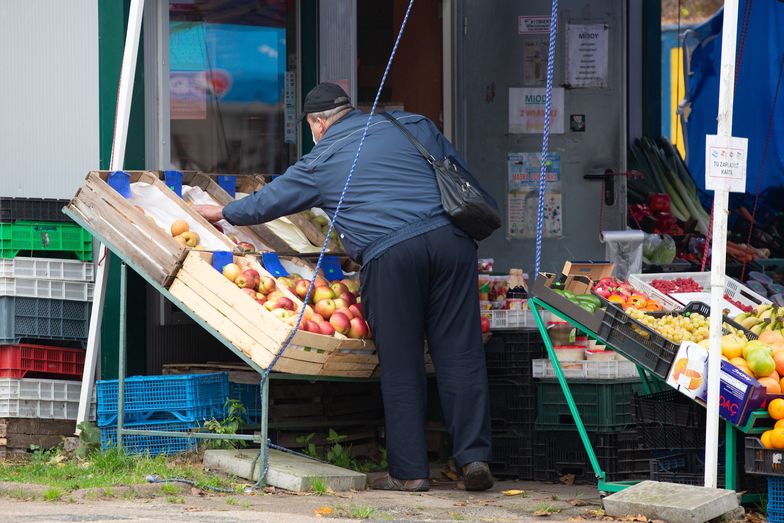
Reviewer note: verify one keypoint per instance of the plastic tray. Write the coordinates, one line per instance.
(584, 369)
(759, 460)
(670, 408)
(603, 405)
(13, 209)
(44, 399)
(153, 445)
(29, 236)
(18, 361)
(732, 288)
(249, 396)
(684, 469)
(47, 289)
(47, 269)
(503, 319)
(775, 509)
(185, 397)
(37, 318)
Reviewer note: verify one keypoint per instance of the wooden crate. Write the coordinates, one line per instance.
(257, 332)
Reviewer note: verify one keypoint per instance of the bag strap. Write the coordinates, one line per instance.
(421, 148)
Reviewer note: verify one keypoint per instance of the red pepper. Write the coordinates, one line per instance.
(659, 202)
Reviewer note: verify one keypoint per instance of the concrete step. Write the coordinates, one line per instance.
(286, 471)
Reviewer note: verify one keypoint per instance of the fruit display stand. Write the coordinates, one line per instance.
(594, 326)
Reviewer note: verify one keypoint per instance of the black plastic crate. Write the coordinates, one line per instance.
(664, 437)
(670, 408)
(759, 460)
(36, 209)
(512, 456)
(509, 355)
(557, 453)
(683, 468)
(604, 405)
(512, 404)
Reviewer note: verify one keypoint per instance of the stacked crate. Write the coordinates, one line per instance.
(172, 403)
(46, 287)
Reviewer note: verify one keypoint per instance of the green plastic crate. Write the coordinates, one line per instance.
(25, 236)
(604, 405)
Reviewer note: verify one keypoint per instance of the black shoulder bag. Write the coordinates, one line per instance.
(462, 201)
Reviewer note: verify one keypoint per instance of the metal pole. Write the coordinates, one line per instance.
(122, 117)
(264, 429)
(719, 245)
(122, 351)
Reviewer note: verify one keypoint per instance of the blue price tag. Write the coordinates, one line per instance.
(332, 269)
(120, 181)
(173, 180)
(221, 259)
(273, 265)
(229, 184)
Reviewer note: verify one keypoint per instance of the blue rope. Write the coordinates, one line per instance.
(293, 332)
(546, 136)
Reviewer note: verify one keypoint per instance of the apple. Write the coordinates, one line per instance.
(248, 278)
(325, 308)
(191, 238)
(246, 247)
(284, 282)
(231, 271)
(356, 310)
(348, 298)
(319, 281)
(358, 329)
(340, 303)
(274, 295)
(250, 292)
(318, 318)
(270, 304)
(323, 293)
(261, 301)
(345, 311)
(338, 288)
(312, 326)
(178, 227)
(340, 322)
(295, 277)
(352, 285)
(266, 284)
(301, 289)
(285, 303)
(281, 314)
(326, 328)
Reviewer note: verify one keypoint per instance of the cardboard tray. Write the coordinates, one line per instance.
(541, 289)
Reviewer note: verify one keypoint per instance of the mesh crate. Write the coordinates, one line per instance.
(512, 405)
(249, 395)
(48, 289)
(42, 399)
(14, 209)
(587, 369)
(684, 469)
(505, 319)
(153, 445)
(732, 288)
(186, 397)
(34, 236)
(41, 319)
(759, 460)
(512, 456)
(603, 405)
(775, 508)
(669, 408)
(509, 355)
(18, 361)
(47, 269)
(656, 436)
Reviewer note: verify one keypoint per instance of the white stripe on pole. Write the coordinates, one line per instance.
(122, 117)
(719, 245)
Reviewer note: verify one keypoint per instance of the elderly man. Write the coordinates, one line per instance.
(419, 274)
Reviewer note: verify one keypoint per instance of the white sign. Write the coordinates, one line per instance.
(725, 163)
(527, 25)
(526, 110)
(587, 55)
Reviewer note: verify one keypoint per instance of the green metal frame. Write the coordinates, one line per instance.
(755, 424)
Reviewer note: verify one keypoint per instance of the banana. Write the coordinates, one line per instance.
(766, 315)
(740, 317)
(750, 322)
(763, 307)
(757, 329)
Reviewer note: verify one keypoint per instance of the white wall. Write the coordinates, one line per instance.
(48, 96)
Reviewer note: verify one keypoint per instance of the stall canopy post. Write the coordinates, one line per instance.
(121, 119)
(719, 245)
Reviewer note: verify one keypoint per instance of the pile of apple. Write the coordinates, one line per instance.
(180, 231)
(335, 308)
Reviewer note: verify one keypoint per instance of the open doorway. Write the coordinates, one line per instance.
(415, 83)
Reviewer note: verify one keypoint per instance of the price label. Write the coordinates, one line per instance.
(725, 163)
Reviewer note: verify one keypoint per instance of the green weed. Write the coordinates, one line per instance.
(168, 488)
(53, 494)
(175, 499)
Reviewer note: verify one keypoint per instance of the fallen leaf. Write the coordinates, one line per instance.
(578, 502)
(193, 509)
(577, 518)
(196, 492)
(638, 517)
(567, 479)
(597, 513)
(270, 490)
(460, 504)
(513, 492)
(323, 511)
(449, 474)
(541, 513)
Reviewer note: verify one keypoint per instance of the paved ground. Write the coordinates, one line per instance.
(23, 504)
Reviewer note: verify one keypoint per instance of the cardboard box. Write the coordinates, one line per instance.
(594, 271)
(740, 393)
(542, 290)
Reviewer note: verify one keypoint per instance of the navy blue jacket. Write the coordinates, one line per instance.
(393, 195)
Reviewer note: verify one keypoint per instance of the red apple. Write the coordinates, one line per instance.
(294, 277)
(246, 247)
(320, 282)
(318, 318)
(340, 303)
(250, 292)
(281, 314)
(261, 301)
(285, 303)
(358, 329)
(312, 326)
(340, 322)
(338, 288)
(270, 305)
(348, 298)
(249, 278)
(266, 284)
(352, 285)
(302, 288)
(326, 328)
(356, 310)
(345, 311)
(323, 293)
(274, 295)
(325, 308)
(284, 282)
(231, 271)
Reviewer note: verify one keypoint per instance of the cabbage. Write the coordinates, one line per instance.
(649, 245)
(665, 251)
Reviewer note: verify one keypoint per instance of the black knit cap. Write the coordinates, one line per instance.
(323, 97)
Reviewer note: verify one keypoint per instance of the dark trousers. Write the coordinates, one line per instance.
(426, 287)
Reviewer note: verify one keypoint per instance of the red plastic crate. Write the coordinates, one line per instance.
(17, 361)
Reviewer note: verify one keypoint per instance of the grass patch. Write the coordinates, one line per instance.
(20, 495)
(362, 512)
(318, 486)
(231, 501)
(53, 494)
(543, 509)
(168, 488)
(175, 499)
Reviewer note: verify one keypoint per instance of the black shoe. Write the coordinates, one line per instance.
(477, 476)
(387, 482)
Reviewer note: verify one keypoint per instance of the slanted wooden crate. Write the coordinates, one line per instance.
(258, 333)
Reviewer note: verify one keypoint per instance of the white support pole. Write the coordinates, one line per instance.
(719, 245)
(122, 117)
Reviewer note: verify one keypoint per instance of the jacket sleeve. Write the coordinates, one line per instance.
(290, 193)
(449, 150)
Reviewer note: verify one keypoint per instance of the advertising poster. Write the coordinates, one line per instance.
(587, 55)
(526, 110)
(523, 195)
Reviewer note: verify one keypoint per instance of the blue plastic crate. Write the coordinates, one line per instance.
(153, 445)
(186, 397)
(250, 397)
(775, 510)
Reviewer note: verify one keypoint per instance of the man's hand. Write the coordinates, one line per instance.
(211, 213)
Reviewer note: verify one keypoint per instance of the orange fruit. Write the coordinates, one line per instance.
(773, 385)
(777, 438)
(778, 357)
(774, 375)
(776, 409)
(782, 383)
(765, 438)
(779, 424)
